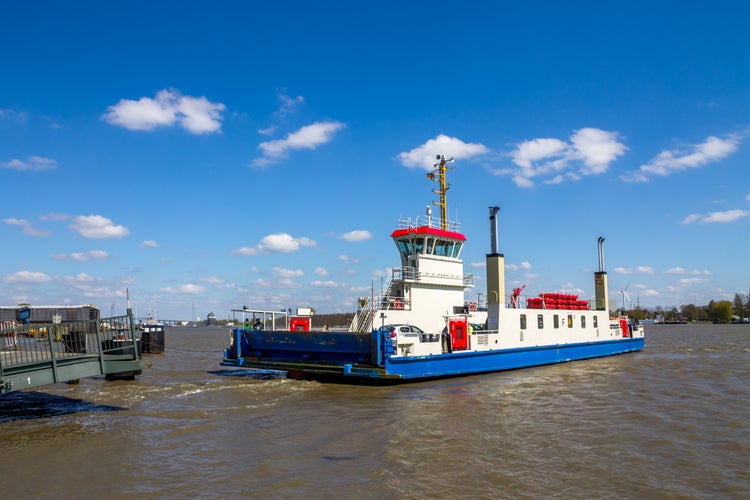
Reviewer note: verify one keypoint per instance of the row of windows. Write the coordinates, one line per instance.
(556, 321)
(430, 246)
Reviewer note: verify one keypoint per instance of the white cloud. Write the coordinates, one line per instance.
(96, 226)
(149, 244)
(515, 267)
(82, 256)
(33, 163)
(321, 271)
(589, 151)
(716, 217)
(356, 235)
(324, 284)
(676, 270)
(346, 259)
(645, 270)
(623, 270)
(276, 243)
(188, 288)
(26, 227)
(27, 277)
(691, 156)
(424, 156)
(288, 273)
(307, 137)
(11, 114)
(597, 148)
(692, 281)
(531, 151)
(197, 115)
(54, 216)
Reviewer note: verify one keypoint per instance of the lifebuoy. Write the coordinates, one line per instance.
(398, 305)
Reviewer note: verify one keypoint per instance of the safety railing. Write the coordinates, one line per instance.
(33, 344)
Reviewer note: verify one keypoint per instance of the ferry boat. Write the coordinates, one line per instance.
(421, 326)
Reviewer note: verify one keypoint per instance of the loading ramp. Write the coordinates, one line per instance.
(37, 355)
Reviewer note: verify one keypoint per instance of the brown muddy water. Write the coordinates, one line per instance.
(672, 421)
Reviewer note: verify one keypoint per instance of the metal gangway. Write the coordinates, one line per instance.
(37, 355)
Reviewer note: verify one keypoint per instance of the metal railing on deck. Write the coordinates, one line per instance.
(33, 344)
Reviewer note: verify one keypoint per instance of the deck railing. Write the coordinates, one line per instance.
(32, 344)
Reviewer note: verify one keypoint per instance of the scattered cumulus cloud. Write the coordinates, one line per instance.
(324, 284)
(424, 156)
(98, 227)
(13, 115)
(525, 266)
(189, 288)
(27, 277)
(288, 273)
(347, 259)
(82, 256)
(55, 217)
(667, 162)
(356, 235)
(197, 115)
(276, 243)
(321, 271)
(307, 137)
(588, 151)
(716, 217)
(32, 163)
(149, 244)
(26, 227)
(676, 270)
(637, 270)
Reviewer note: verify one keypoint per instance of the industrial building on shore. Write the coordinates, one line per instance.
(48, 314)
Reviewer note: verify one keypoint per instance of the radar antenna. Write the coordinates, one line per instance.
(438, 175)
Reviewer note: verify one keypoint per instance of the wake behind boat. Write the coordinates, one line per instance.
(421, 326)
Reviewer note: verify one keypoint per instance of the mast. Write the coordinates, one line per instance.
(438, 175)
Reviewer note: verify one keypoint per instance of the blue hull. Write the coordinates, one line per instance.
(464, 363)
(351, 357)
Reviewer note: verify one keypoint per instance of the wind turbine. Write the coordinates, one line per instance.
(624, 295)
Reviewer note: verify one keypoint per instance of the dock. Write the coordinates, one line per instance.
(38, 355)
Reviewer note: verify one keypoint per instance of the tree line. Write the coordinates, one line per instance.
(721, 311)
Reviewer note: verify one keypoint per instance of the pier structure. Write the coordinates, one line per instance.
(41, 354)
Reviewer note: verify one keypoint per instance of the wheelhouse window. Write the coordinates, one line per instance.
(456, 250)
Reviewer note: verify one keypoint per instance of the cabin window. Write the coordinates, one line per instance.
(570, 321)
(556, 321)
(583, 321)
(540, 321)
(596, 325)
(449, 249)
(440, 248)
(456, 250)
(523, 322)
(405, 247)
(419, 245)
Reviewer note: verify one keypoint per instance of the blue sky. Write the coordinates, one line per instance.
(210, 155)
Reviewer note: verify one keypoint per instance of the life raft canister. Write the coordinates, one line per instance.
(398, 305)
